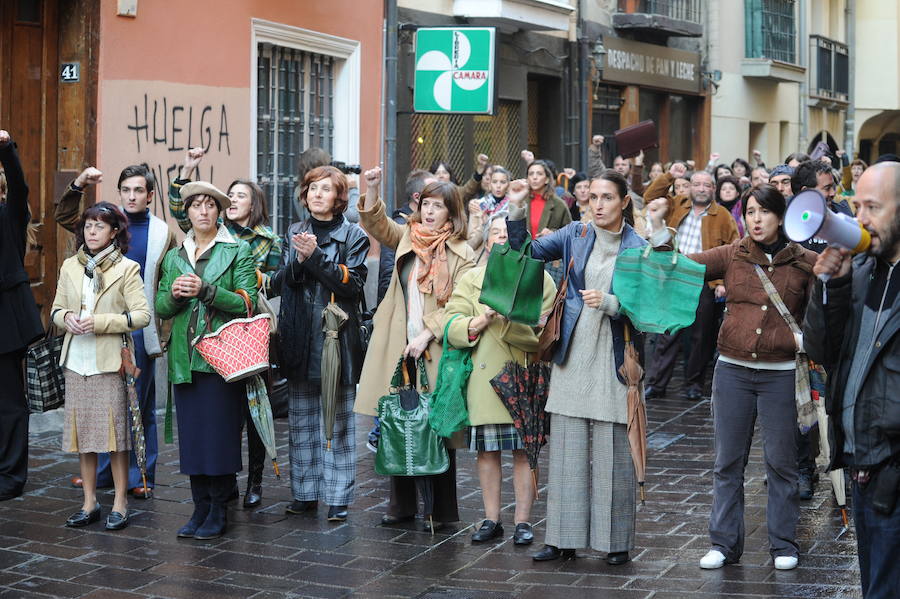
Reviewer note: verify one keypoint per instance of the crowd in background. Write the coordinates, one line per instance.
(130, 282)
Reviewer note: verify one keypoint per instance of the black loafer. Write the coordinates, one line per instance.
(388, 520)
(489, 530)
(116, 521)
(253, 496)
(83, 518)
(693, 394)
(337, 513)
(301, 507)
(651, 392)
(549, 553)
(618, 558)
(235, 493)
(431, 525)
(523, 534)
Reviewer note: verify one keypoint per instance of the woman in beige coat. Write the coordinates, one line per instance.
(431, 255)
(99, 301)
(494, 342)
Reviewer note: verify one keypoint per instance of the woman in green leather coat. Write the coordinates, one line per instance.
(197, 291)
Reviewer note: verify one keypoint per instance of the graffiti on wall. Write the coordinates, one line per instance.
(156, 123)
(173, 127)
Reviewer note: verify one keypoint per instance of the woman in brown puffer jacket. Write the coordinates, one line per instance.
(754, 375)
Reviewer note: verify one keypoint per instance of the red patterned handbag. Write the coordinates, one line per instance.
(239, 348)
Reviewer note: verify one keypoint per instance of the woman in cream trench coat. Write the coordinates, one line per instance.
(389, 338)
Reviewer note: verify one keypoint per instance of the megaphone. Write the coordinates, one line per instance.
(808, 216)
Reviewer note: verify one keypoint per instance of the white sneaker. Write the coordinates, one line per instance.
(713, 559)
(785, 562)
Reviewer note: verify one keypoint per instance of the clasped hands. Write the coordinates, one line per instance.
(186, 286)
(79, 326)
(304, 244)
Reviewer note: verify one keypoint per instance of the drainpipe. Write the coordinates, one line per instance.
(804, 85)
(391, 33)
(584, 79)
(850, 119)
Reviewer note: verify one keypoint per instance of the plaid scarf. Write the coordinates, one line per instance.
(104, 258)
(264, 245)
(431, 248)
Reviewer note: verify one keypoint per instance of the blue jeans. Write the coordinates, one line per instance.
(146, 392)
(878, 545)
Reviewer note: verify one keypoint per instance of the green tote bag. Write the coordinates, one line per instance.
(448, 412)
(408, 446)
(514, 283)
(658, 291)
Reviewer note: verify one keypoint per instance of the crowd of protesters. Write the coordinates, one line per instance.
(130, 283)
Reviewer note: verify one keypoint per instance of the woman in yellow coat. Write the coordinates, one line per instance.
(431, 255)
(99, 301)
(494, 342)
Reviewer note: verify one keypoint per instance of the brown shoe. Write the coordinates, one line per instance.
(138, 493)
(77, 482)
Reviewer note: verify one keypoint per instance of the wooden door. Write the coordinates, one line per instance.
(28, 111)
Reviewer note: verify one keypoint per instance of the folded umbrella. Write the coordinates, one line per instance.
(633, 373)
(524, 390)
(333, 318)
(837, 475)
(261, 415)
(130, 372)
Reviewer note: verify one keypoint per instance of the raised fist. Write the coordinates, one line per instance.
(373, 177)
(89, 176)
(678, 170)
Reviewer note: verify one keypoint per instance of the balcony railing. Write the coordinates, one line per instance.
(682, 10)
(771, 30)
(829, 75)
(666, 17)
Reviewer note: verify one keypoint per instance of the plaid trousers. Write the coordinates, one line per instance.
(316, 472)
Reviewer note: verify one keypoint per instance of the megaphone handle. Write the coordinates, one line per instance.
(824, 278)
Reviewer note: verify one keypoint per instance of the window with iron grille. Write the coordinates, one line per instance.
(771, 30)
(295, 111)
(456, 139)
(829, 76)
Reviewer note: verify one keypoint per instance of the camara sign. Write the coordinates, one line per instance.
(454, 70)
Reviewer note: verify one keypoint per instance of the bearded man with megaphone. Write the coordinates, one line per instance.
(855, 333)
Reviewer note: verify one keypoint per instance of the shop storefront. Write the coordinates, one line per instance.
(658, 83)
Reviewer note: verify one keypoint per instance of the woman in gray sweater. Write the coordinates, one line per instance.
(591, 498)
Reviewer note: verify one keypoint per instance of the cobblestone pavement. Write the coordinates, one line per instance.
(267, 554)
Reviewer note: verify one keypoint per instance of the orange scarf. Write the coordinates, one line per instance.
(431, 248)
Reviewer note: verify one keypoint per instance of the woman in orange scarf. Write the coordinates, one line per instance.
(431, 255)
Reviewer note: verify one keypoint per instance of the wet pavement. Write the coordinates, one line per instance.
(267, 554)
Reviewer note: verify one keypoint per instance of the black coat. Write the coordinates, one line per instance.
(306, 289)
(386, 259)
(830, 336)
(18, 312)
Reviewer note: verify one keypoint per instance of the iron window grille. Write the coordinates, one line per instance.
(771, 30)
(829, 75)
(295, 111)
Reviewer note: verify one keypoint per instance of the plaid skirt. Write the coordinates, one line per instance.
(494, 437)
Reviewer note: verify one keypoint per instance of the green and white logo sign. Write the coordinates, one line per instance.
(454, 70)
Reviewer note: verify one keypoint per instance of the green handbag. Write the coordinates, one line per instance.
(514, 283)
(408, 446)
(658, 291)
(448, 402)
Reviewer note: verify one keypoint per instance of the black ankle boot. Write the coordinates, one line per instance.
(200, 495)
(215, 523)
(256, 456)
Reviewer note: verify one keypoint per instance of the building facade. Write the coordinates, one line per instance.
(111, 83)
(648, 61)
(536, 87)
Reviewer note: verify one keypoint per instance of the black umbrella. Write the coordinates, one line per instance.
(524, 391)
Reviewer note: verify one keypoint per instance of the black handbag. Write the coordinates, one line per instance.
(45, 384)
